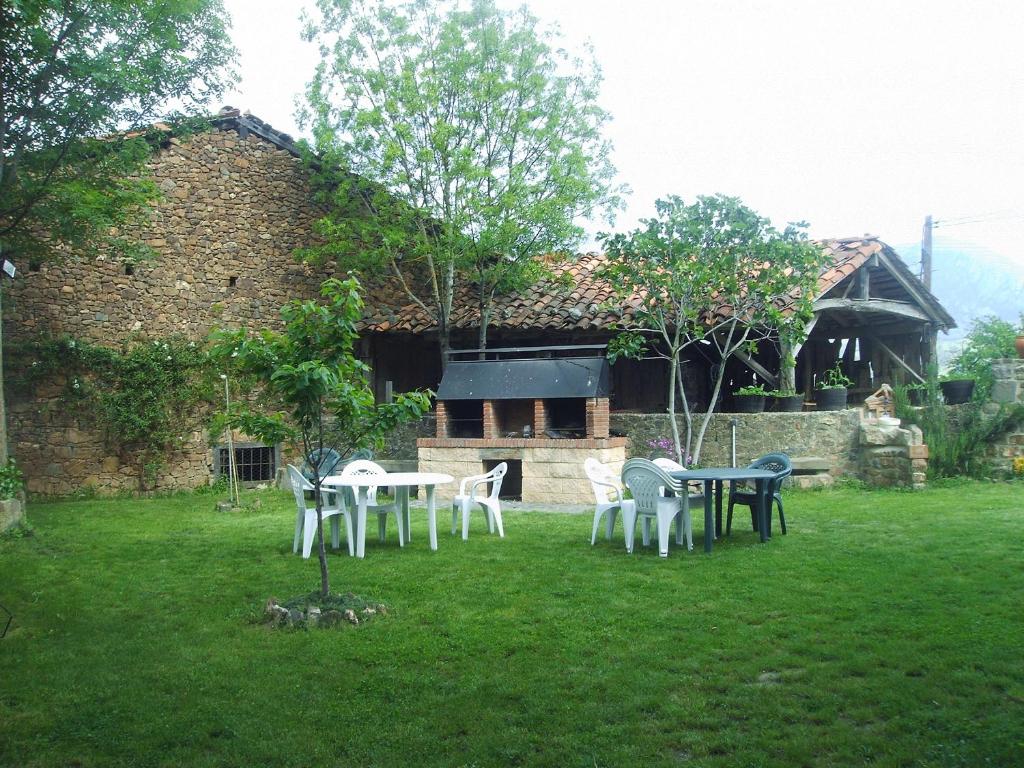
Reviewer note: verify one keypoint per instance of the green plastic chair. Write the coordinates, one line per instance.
(780, 464)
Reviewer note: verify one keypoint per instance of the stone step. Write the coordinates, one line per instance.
(810, 465)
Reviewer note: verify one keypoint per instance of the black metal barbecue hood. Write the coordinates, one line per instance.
(525, 376)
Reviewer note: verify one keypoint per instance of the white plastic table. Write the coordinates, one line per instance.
(401, 482)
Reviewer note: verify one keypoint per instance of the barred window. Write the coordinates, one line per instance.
(254, 463)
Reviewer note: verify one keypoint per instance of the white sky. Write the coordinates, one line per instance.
(858, 117)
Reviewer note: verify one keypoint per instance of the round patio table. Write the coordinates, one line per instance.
(715, 477)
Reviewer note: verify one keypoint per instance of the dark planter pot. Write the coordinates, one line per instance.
(957, 391)
(833, 399)
(917, 396)
(789, 404)
(748, 403)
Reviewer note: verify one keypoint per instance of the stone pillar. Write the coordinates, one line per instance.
(441, 414)
(891, 456)
(540, 417)
(12, 512)
(1007, 390)
(597, 417)
(490, 421)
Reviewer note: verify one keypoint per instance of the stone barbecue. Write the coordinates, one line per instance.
(543, 410)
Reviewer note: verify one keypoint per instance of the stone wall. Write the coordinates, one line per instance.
(232, 213)
(829, 436)
(1007, 389)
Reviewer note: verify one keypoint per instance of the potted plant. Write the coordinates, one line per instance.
(787, 402)
(832, 389)
(917, 393)
(957, 387)
(749, 399)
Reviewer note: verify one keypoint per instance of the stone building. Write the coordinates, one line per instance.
(236, 203)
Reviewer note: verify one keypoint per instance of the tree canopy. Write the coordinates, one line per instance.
(75, 75)
(716, 272)
(469, 143)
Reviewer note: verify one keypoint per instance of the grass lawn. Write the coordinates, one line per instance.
(885, 629)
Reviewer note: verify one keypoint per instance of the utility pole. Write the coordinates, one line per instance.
(926, 253)
(931, 334)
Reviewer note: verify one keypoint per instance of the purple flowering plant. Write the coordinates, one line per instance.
(664, 446)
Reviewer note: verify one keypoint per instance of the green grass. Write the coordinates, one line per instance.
(886, 629)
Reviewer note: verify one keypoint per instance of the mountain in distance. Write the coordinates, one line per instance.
(971, 282)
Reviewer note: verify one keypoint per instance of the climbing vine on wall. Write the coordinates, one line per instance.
(139, 395)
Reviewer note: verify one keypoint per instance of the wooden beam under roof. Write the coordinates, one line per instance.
(872, 306)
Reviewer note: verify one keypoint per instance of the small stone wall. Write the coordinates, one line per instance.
(1007, 389)
(828, 438)
(61, 453)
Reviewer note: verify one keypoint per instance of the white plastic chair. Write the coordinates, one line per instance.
(367, 468)
(491, 505)
(646, 482)
(670, 465)
(305, 519)
(608, 496)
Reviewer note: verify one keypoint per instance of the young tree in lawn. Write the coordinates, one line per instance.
(73, 74)
(317, 390)
(713, 272)
(468, 145)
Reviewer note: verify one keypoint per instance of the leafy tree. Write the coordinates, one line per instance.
(73, 74)
(691, 261)
(990, 338)
(469, 144)
(318, 391)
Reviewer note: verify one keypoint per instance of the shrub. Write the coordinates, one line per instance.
(990, 338)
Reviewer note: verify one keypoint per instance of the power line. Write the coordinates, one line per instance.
(981, 218)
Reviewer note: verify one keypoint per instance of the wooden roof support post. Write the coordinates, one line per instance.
(929, 353)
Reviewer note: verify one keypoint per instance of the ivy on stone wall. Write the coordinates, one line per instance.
(138, 395)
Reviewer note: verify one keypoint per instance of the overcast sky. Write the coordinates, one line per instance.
(857, 117)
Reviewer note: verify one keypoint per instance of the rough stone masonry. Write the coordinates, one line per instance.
(232, 212)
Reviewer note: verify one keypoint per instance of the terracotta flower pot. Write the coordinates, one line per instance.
(1020, 347)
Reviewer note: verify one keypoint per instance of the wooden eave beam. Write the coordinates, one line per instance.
(872, 306)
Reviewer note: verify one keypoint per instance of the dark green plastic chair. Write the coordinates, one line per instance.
(778, 463)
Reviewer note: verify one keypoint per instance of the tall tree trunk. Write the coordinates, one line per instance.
(686, 453)
(3, 407)
(325, 584)
(726, 350)
(444, 342)
(673, 368)
(485, 321)
(787, 368)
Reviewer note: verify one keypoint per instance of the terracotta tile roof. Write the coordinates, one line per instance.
(576, 299)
